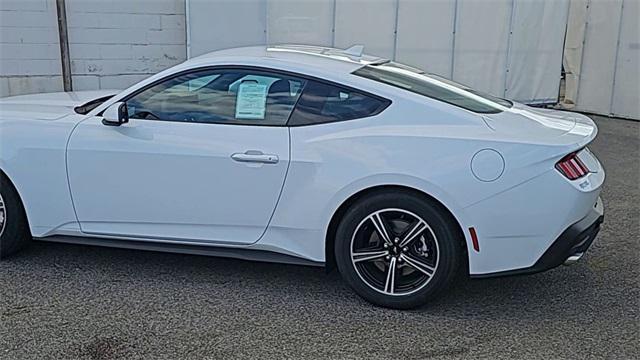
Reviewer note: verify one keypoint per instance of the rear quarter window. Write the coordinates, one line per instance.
(433, 87)
(324, 103)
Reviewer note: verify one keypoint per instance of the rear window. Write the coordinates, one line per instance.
(324, 103)
(434, 87)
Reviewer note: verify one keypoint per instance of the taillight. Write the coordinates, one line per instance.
(572, 167)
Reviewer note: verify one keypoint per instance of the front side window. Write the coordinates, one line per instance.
(433, 86)
(251, 97)
(324, 103)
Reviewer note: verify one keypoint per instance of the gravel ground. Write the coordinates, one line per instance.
(78, 302)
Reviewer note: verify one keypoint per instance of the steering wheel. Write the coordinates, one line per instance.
(144, 114)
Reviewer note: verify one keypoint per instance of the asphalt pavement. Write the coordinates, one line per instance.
(79, 302)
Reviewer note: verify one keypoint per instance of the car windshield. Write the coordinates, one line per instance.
(433, 86)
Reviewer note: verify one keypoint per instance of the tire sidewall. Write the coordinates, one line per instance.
(16, 234)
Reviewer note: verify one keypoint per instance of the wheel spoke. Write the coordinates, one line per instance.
(380, 227)
(369, 255)
(389, 285)
(415, 230)
(418, 264)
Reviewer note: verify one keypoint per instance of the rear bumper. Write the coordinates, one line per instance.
(567, 248)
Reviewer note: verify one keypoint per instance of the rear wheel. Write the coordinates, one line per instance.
(14, 229)
(397, 249)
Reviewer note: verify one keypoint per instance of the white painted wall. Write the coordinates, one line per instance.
(510, 48)
(602, 57)
(112, 44)
(29, 49)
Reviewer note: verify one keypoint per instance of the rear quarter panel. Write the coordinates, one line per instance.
(428, 148)
(404, 145)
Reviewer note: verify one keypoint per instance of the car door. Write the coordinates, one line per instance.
(202, 159)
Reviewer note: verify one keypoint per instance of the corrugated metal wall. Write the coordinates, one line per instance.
(506, 47)
(511, 48)
(602, 57)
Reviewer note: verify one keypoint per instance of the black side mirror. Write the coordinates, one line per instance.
(116, 114)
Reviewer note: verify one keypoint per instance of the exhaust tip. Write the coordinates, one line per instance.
(573, 259)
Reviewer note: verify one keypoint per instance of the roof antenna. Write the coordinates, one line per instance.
(354, 51)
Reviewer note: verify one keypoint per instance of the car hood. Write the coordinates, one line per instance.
(48, 106)
(527, 124)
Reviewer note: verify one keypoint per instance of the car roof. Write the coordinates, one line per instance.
(327, 58)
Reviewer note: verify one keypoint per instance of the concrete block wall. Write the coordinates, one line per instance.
(112, 44)
(29, 48)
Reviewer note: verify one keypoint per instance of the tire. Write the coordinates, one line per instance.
(422, 242)
(14, 229)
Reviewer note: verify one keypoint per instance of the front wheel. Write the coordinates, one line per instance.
(397, 249)
(14, 230)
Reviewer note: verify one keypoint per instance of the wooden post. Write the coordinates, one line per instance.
(64, 45)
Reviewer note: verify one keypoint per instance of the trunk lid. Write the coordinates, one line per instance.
(543, 126)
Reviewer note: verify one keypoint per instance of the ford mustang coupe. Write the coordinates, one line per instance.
(398, 178)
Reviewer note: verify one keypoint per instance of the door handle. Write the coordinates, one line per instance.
(254, 156)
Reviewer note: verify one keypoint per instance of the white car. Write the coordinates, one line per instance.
(307, 155)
